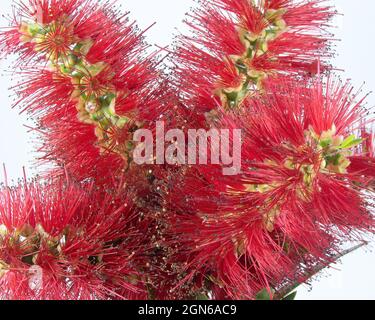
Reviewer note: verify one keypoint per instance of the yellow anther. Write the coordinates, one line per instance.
(269, 218)
(3, 230)
(3, 268)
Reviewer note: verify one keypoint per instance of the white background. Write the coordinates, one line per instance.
(354, 278)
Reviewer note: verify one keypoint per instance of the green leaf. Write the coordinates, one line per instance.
(291, 296)
(325, 143)
(106, 100)
(96, 68)
(201, 296)
(350, 142)
(335, 159)
(263, 295)
(34, 29)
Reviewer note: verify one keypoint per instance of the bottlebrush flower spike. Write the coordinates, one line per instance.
(85, 79)
(302, 143)
(306, 187)
(238, 44)
(62, 241)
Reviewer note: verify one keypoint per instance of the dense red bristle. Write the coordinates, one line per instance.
(46, 93)
(308, 169)
(204, 58)
(221, 223)
(88, 225)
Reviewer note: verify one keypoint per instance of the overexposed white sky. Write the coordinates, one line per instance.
(355, 277)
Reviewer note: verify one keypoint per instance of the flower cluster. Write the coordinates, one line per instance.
(306, 187)
(85, 79)
(59, 240)
(238, 45)
(99, 226)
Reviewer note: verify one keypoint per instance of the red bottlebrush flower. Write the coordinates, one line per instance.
(89, 86)
(30, 15)
(308, 174)
(305, 188)
(238, 44)
(63, 241)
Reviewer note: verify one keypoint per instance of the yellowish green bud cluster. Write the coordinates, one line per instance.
(29, 240)
(95, 102)
(333, 158)
(251, 80)
(3, 268)
(3, 265)
(334, 152)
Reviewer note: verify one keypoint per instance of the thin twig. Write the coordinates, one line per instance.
(283, 291)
